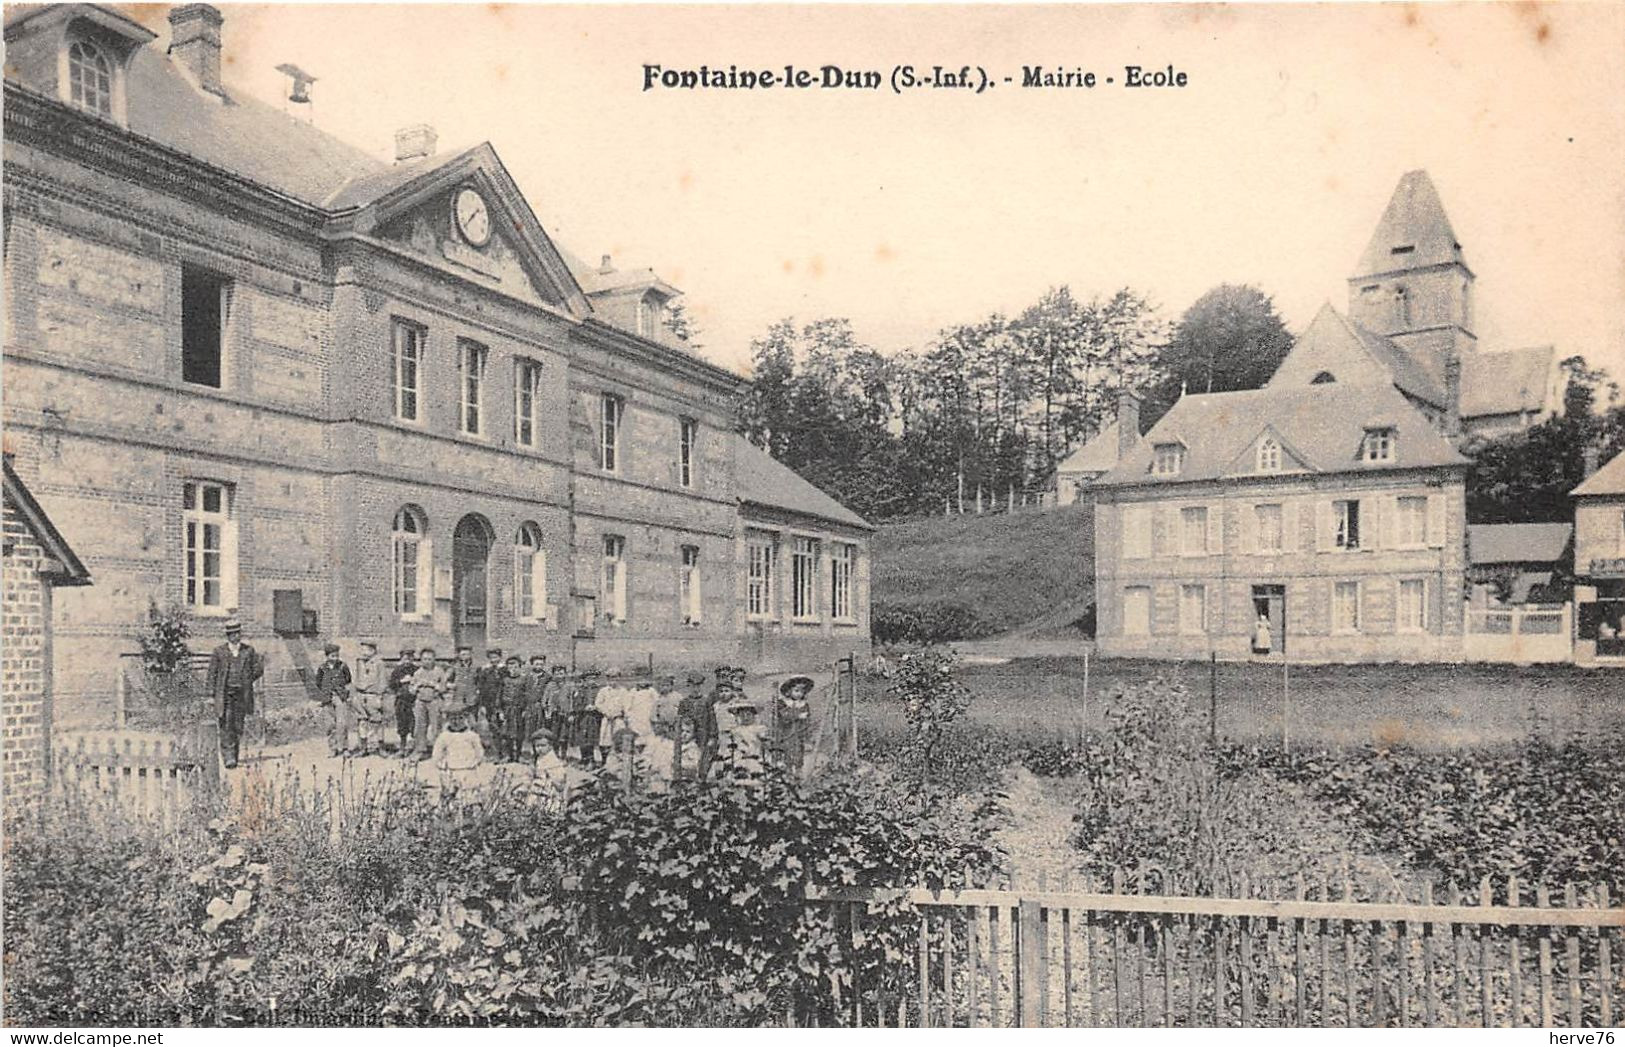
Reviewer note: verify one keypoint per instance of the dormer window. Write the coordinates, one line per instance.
(1168, 460)
(90, 78)
(1269, 455)
(649, 310)
(1378, 445)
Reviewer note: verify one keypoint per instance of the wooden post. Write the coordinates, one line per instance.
(1029, 966)
(1083, 727)
(1286, 702)
(121, 687)
(1213, 696)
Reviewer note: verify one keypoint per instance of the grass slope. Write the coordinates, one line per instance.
(1031, 568)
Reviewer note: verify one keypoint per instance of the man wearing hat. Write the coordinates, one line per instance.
(791, 720)
(369, 698)
(400, 684)
(234, 667)
(333, 691)
(698, 710)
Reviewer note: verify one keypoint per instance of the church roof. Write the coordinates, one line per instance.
(1095, 456)
(1411, 371)
(1610, 479)
(1413, 232)
(1508, 382)
(763, 480)
(1323, 424)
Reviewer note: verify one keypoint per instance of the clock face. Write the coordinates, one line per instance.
(473, 220)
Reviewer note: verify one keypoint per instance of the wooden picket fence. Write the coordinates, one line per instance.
(148, 774)
(1320, 958)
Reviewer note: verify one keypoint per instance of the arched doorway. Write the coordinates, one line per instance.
(470, 575)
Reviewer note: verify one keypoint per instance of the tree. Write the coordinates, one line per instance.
(679, 323)
(1230, 338)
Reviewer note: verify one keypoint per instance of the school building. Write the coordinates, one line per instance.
(252, 369)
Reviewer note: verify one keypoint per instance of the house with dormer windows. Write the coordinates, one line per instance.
(255, 370)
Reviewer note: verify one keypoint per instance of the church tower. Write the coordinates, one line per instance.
(1412, 283)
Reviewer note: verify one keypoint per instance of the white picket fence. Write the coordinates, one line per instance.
(1522, 635)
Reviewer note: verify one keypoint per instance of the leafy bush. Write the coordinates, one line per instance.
(163, 639)
(928, 623)
(932, 698)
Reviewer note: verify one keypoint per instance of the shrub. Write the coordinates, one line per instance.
(163, 639)
(929, 623)
(932, 698)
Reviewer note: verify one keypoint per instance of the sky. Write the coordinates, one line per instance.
(911, 212)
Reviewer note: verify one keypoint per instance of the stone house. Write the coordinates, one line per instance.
(1599, 563)
(38, 561)
(1100, 453)
(253, 369)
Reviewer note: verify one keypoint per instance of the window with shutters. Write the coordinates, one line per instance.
(471, 358)
(804, 579)
(1412, 613)
(612, 580)
(1192, 609)
(406, 360)
(688, 595)
(529, 574)
(759, 572)
(1136, 532)
(1346, 524)
(1346, 607)
(1137, 610)
(1268, 527)
(1193, 530)
(1411, 522)
(210, 546)
(411, 562)
(527, 396)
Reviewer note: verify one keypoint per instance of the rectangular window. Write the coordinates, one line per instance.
(759, 578)
(203, 326)
(1168, 460)
(527, 388)
(1413, 607)
(1193, 530)
(1379, 445)
(1137, 611)
(1346, 607)
(406, 354)
(1192, 609)
(688, 597)
(1268, 521)
(612, 583)
(804, 579)
(611, 409)
(210, 546)
(1411, 525)
(1136, 532)
(842, 566)
(1346, 524)
(688, 439)
(530, 576)
(471, 357)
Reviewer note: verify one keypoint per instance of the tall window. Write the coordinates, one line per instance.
(1378, 445)
(527, 388)
(90, 79)
(471, 357)
(1168, 460)
(406, 358)
(1346, 607)
(1413, 606)
(1136, 532)
(759, 577)
(410, 540)
(1269, 530)
(1269, 455)
(529, 574)
(1193, 530)
(842, 568)
(1192, 609)
(612, 582)
(203, 324)
(1411, 527)
(804, 579)
(648, 317)
(211, 546)
(1137, 610)
(688, 440)
(688, 596)
(1346, 524)
(611, 409)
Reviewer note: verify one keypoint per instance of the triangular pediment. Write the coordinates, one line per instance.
(1285, 458)
(412, 207)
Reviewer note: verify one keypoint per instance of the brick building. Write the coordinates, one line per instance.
(1599, 563)
(253, 369)
(37, 562)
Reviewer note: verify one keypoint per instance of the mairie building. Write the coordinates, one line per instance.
(1324, 515)
(253, 370)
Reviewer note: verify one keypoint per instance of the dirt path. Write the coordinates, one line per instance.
(1038, 833)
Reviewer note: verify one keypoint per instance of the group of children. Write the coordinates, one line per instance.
(454, 714)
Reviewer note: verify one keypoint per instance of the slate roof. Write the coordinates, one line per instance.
(70, 569)
(764, 480)
(1415, 219)
(1411, 372)
(1610, 479)
(1096, 456)
(1517, 543)
(1321, 425)
(1507, 382)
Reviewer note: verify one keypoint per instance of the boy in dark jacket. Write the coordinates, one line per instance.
(333, 691)
(400, 685)
(515, 685)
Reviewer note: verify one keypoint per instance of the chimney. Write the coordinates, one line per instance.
(604, 266)
(1589, 458)
(1452, 393)
(414, 143)
(1128, 421)
(194, 43)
